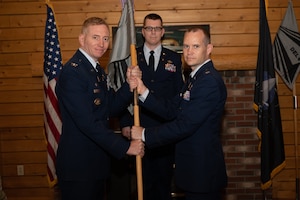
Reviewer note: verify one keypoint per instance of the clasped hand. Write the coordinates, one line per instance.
(134, 79)
(136, 132)
(133, 73)
(137, 146)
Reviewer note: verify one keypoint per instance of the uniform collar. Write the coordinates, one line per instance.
(157, 50)
(192, 74)
(90, 59)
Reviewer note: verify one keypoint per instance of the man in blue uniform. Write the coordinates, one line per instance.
(200, 167)
(163, 77)
(86, 103)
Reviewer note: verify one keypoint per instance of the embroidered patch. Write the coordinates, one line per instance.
(187, 95)
(169, 66)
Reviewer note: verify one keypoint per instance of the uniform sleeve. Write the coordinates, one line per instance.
(74, 99)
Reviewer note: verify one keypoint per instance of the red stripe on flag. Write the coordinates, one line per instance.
(52, 126)
(52, 67)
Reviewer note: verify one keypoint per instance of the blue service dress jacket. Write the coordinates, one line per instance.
(165, 82)
(199, 159)
(86, 104)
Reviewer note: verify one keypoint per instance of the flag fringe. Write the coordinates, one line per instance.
(274, 172)
(255, 107)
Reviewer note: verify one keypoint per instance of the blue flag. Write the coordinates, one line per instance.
(267, 107)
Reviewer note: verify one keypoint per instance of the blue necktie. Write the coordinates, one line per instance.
(99, 69)
(100, 72)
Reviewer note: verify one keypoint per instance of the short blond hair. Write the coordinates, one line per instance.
(93, 21)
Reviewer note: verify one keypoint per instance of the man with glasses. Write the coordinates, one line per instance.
(199, 110)
(162, 74)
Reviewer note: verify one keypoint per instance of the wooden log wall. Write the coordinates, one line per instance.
(234, 31)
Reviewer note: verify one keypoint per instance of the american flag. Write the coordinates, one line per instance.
(52, 67)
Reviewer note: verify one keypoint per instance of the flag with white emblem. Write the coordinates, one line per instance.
(266, 104)
(286, 49)
(124, 37)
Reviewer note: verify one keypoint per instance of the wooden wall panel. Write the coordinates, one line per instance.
(234, 31)
(16, 72)
(41, 193)
(25, 182)
(21, 121)
(21, 108)
(23, 133)
(14, 59)
(24, 158)
(31, 169)
(34, 83)
(21, 96)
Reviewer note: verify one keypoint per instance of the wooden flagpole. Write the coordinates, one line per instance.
(137, 123)
(295, 101)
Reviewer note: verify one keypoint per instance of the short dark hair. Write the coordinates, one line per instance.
(153, 16)
(93, 21)
(201, 28)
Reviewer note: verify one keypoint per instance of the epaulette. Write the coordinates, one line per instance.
(74, 64)
(207, 72)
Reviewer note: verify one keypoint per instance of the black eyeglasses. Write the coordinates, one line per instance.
(150, 28)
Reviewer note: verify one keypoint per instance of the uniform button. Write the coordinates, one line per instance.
(96, 91)
(97, 101)
(152, 81)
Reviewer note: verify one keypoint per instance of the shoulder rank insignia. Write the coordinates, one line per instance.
(207, 71)
(74, 64)
(187, 95)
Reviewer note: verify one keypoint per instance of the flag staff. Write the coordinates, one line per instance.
(126, 51)
(137, 123)
(136, 116)
(287, 64)
(296, 139)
